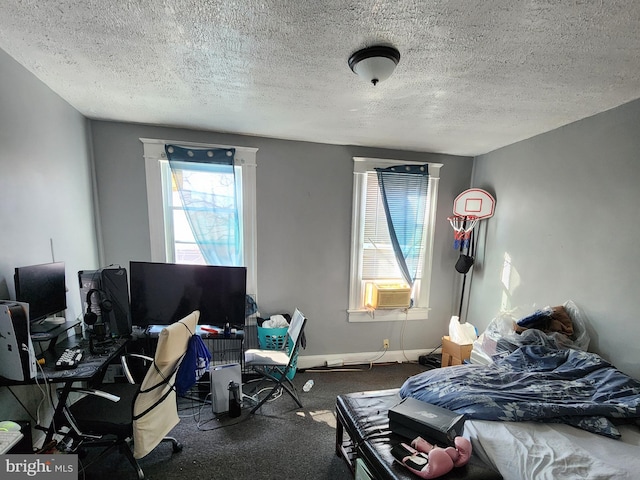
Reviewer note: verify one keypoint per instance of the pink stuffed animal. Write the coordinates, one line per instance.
(426, 465)
(429, 461)
(460, 454)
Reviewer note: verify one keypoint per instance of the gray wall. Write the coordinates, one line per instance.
(303, 229)
(45, 192)
(567, 214)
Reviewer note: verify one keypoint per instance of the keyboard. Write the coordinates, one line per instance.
(8, 440)
(69, 359)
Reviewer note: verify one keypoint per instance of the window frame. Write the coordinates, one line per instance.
(356, 311)
(245, 157)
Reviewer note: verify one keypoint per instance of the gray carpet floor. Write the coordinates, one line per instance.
(280, 441)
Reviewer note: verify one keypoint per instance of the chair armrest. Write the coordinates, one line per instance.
(125, 364)
(95, 392)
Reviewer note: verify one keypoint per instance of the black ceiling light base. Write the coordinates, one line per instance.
(374, 64)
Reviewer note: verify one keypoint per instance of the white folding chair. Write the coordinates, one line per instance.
(275, 365)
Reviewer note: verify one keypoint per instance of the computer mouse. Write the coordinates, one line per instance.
(9, 426)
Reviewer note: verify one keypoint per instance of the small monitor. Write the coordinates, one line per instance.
(43, 287)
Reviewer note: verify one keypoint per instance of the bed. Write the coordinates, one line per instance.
(542, 406)
(364, 440)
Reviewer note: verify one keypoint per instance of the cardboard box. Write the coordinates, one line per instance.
(453, 353)
(412, 418)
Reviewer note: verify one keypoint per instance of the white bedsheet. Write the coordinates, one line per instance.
(526, 450)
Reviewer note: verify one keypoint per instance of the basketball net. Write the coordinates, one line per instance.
(462, 227)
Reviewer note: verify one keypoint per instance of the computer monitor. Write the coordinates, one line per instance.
(43, 287)
(163, 293)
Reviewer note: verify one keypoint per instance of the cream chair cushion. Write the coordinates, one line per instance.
(150, 429)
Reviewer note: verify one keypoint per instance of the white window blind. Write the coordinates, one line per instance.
(378, 262)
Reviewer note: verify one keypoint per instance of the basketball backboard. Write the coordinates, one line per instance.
(474, 202)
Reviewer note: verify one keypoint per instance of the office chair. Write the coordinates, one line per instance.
(274, 365)
(125, 414)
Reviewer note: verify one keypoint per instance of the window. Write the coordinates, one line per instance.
(180, 242)
(372, 256)
(170, 234)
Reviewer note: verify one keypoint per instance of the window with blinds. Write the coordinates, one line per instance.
(378, 259)
(372, 256)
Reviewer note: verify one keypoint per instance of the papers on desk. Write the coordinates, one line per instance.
(154, 330)
(201, 330)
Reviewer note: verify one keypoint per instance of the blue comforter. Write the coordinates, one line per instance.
(534, 383)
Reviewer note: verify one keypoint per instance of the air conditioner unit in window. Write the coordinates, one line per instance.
(381, 296)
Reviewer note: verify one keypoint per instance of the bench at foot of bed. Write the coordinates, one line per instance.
(363, 435)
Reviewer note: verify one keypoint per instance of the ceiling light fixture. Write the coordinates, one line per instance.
(374, 64)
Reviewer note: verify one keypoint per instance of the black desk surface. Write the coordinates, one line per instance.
(91, 367)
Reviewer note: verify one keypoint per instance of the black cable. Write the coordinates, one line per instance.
(432, 351)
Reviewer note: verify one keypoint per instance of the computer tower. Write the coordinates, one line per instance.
(105, 293)
(17, 357)
(221, 376)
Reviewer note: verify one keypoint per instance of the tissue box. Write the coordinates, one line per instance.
(453, 353)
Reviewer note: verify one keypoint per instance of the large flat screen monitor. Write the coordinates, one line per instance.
(163, 293)
(43, 287)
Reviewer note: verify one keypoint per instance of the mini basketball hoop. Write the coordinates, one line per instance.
(469, 208)
(462, 226)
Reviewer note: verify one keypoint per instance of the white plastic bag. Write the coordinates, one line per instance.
(500, 337)
(461, 333)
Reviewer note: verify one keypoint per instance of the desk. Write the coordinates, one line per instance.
(91, 370)
(92, 367)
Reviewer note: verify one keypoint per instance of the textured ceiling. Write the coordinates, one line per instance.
(474, 75)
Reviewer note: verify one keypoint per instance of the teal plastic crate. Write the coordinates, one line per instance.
(273, 339)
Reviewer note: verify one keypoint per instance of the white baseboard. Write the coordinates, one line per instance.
(360, 358)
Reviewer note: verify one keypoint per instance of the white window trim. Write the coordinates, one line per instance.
(245, 156)
(361, 166)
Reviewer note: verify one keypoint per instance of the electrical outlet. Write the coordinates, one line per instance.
(385, 343)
